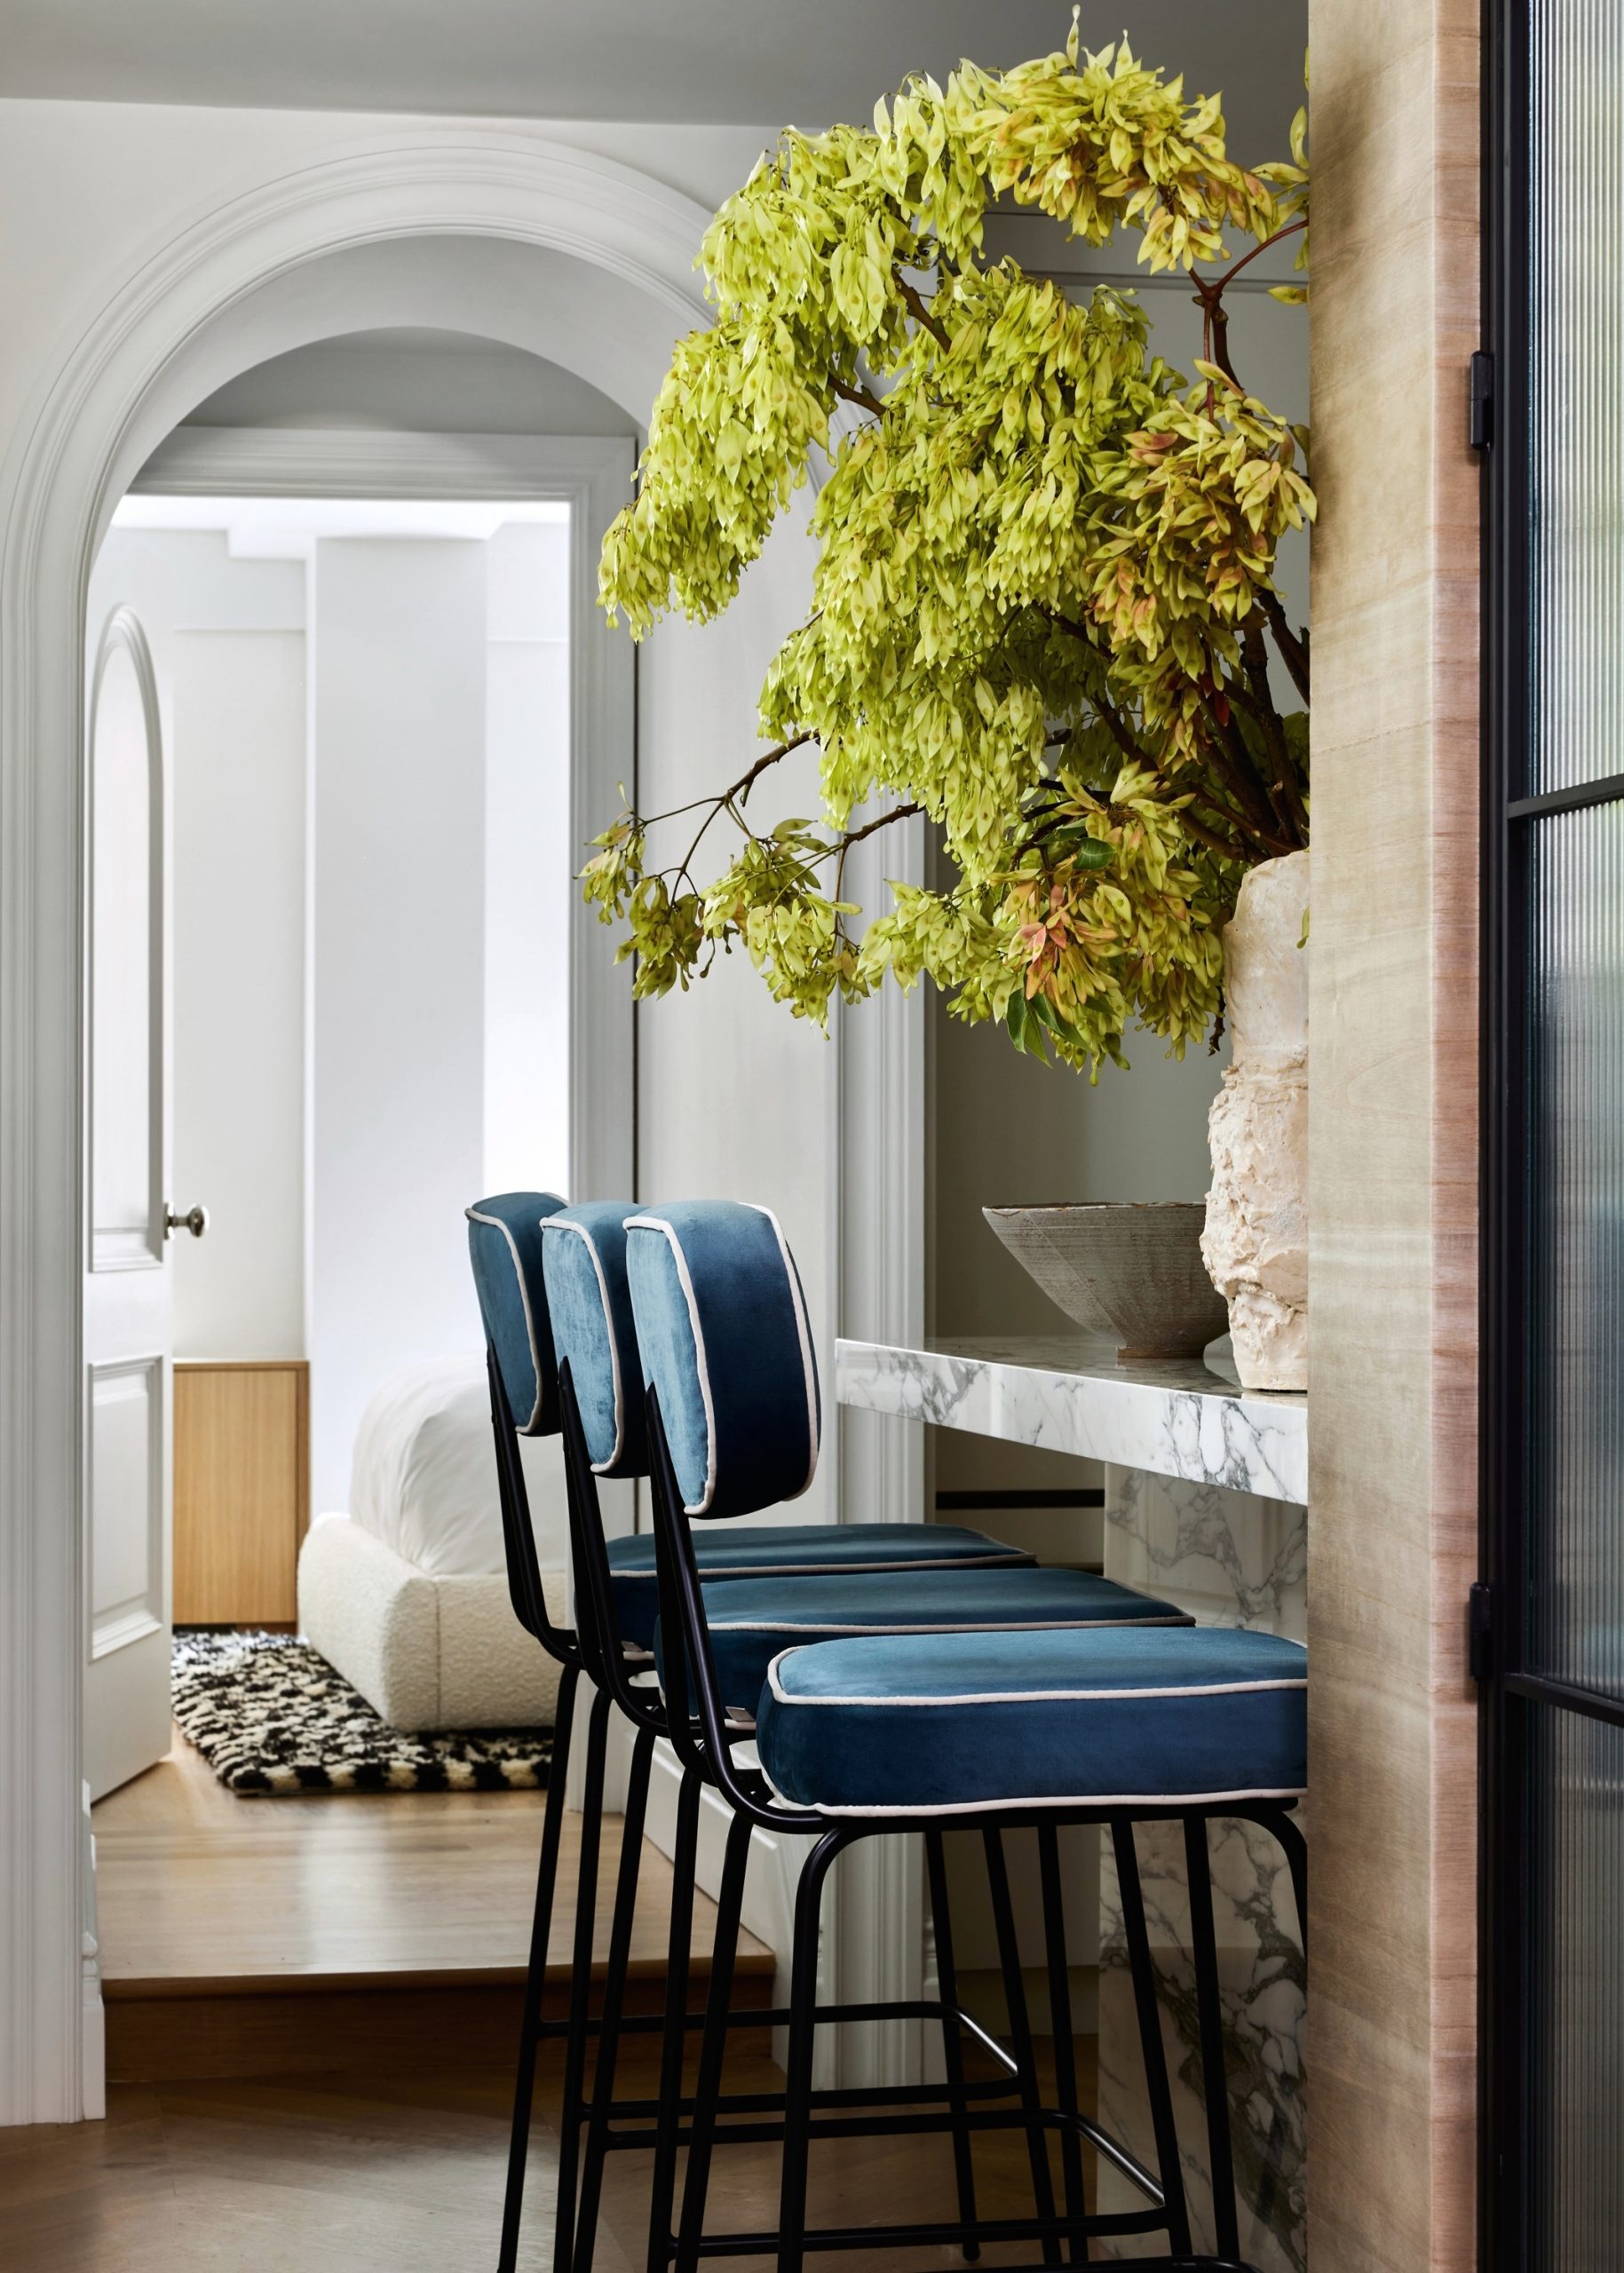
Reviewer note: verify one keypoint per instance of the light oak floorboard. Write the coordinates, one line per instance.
(196, 1884)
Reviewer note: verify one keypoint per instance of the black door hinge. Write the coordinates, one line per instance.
(1480, 412)
(1481, 1632)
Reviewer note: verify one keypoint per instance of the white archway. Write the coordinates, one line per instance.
(248, 280)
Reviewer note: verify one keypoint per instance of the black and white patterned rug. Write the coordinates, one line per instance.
(274, 1720)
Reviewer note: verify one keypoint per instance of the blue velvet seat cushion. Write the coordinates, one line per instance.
(583, 1259)
(751, 1620)
(726, 1344)
(504, 1246)
(931, 1723)
(797, 1550)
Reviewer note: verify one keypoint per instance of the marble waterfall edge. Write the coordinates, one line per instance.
(1173, 1416)
(1230, 1559)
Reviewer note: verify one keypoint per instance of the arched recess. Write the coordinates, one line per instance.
(578, 251)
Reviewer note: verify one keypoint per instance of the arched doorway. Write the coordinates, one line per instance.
(578, 256)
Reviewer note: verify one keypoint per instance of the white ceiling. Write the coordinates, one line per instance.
(751, 62)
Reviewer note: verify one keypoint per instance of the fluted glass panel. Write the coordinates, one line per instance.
(1576, 287)
(1575, 1987)
(1575, 1259)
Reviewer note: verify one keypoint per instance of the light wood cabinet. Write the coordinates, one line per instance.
(241, 1491)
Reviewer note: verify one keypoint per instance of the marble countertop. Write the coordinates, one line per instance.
(1066, 1392)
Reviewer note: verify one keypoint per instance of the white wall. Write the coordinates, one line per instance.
(239, 991)
(397, 1052)
(529, 861)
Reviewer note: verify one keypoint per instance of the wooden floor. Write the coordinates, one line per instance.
(192, 1882)
(251, 1936)
(402, 2173)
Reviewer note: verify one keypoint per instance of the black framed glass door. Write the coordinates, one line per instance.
(1551, 1616)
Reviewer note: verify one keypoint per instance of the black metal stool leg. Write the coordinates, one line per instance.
(1209, 2013)
(1060, 2021)
(953, 2040)
(668, 2118)
(713, 2045)
(1020, 2034)
(580, 1986)
(614, 1997)
(799, 2067)
(535, 1977)
(1154, 2054)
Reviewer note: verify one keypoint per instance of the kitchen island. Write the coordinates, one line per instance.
(1205, 1492)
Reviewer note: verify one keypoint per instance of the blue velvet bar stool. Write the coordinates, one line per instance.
(602, 1411)
(1059, 1720)
(612, 1646)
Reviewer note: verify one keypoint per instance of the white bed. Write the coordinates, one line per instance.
(407, 1594)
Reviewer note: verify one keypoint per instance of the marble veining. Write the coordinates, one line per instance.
(1172, 1417)
(1231, 1558)
(1262, 1992)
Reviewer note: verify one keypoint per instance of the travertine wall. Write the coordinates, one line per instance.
(1392, 1530)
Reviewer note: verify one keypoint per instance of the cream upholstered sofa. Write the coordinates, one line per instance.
(405, 1594)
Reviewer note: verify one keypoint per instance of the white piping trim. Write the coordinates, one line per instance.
(792, 1277)
(657, 1223)
(474, 1217)
(976, 1626)
(565, 1223)
(1157, 1800)
(1012, 1559)
(1038, 1695)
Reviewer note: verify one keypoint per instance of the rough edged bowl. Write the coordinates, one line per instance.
(1132, 1269)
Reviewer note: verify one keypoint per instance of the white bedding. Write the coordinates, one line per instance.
(424, 1474)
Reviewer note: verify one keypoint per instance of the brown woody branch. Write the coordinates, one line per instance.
(1294, 651)
(856, 835)
(919, 309)
(1260, 700)
(860, 396)
(734, 795)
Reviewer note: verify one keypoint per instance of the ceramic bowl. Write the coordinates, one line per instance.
(1126, 1268)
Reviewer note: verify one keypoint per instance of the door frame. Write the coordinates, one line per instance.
(207, 297)
(1501, 2219)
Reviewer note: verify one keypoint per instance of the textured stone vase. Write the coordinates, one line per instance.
(1255, 1242)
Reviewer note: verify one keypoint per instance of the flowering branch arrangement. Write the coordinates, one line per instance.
(1044, 613)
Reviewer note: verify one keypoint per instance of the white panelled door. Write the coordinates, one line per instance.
(127, 1294)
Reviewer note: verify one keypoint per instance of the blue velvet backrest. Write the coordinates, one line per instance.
(584, 1258)
(722, 1332)
(504, 1244)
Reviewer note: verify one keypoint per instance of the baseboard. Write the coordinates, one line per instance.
(311, 2024)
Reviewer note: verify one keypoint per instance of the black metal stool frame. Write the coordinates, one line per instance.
(613, 1665)
(692, 1696)
(563, 1644)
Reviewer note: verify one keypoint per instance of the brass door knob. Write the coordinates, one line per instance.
(195, 1220)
